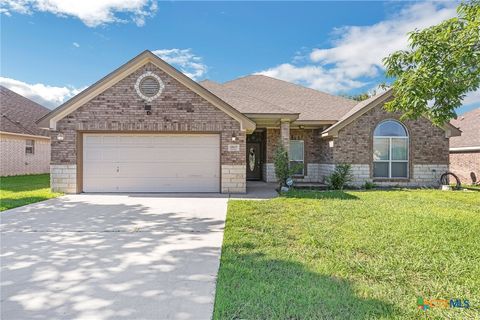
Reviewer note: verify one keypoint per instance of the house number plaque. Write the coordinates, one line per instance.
(233, 147)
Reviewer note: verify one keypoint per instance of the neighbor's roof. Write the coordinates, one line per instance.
(311, 104)
(469, 123)
(18, 114)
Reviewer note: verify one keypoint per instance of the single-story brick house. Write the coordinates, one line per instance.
(25, 148)
(147, 127)
(465, 149)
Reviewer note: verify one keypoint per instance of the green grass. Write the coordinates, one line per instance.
(18, 191)
(350, 255)
(472, 187)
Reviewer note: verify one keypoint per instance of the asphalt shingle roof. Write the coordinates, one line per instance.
(241, 101)
(469, 123)
(279, 95)
(18, 114)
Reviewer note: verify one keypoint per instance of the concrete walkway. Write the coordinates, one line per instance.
(258, 190)
(111, 257)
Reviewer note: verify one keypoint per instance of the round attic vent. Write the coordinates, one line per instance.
(149, 86)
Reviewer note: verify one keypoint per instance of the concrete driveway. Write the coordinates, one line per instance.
(111, 257)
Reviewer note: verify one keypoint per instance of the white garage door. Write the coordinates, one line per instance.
(151, 163)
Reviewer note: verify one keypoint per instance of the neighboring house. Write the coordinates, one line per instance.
(465, 149)
(25, 148)
(147, 127)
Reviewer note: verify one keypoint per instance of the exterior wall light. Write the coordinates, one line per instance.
(60, 137)
(234, 137)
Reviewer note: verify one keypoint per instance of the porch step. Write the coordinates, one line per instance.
(310, 185)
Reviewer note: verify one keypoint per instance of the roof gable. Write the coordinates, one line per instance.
(18, 114)
(114, 77)
(363, 106)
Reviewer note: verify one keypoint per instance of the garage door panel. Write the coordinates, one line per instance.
(151, 185)
(182, 170)
(151, 163)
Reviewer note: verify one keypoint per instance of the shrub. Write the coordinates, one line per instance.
(369, 185)
(340, 177)
(283, 170)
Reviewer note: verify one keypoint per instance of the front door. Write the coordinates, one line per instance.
(253, 161)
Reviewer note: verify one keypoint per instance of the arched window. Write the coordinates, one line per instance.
(390, 150)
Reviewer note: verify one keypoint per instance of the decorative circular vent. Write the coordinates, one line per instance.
(149, 86)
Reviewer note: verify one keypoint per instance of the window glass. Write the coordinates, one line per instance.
(381, 149)
(296, 150)
(380, 169)
(399, 169)
(29, 146)
(399, 149)
(299, 171)
(296, 155)
(390, 128)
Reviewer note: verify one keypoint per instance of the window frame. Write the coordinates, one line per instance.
(303, 157)
(29, 147)
(390, 159)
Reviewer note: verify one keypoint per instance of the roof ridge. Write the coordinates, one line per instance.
(256, 98)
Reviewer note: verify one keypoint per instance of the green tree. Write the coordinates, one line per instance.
(441, 66)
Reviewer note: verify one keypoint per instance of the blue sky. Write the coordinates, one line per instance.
(52, 49)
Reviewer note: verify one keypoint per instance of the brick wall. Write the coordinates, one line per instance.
(463, 164)
(14, 160)
(119, 108)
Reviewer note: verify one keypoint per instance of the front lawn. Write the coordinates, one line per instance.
(350, 255)
(18, 191)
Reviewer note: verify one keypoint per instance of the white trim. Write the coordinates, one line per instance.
(477, 148)
(23, 135)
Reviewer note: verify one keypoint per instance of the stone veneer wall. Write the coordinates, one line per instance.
(178, 109)
(233, 178)
(63, 178)
(463, 164)
(14, 160)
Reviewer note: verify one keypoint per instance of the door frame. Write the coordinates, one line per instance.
(79, 147)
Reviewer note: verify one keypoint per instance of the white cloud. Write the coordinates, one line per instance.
(48, 96)
(185, 60)
(356, 56)
(91, 12)
(312, 76)
(75, 44)
(472, 97)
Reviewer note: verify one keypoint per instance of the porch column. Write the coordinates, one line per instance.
(285, 133)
